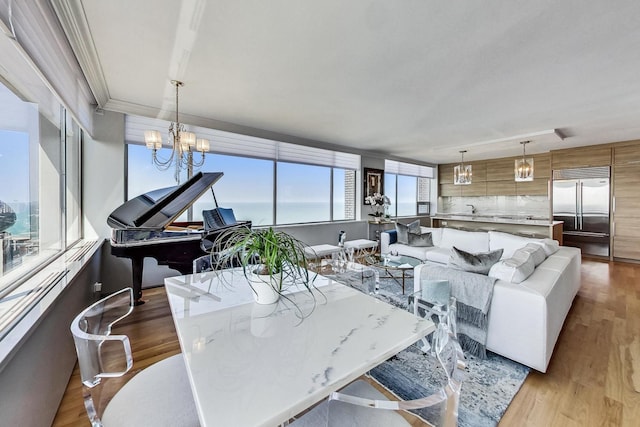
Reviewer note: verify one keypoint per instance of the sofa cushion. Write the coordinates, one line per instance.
(515, 269)
(403, 230)
(550, 246)
(436, 234)
(469, 241)
(473, 262)
(536, 251)
(423, 240)
(509, 242)
(413, 251)
(439, 255)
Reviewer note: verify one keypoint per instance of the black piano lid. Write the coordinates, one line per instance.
(158, 208)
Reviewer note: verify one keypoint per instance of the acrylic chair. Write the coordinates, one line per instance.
(362, 404)
(116, 395)
(431, 302)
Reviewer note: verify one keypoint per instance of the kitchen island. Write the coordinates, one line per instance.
(525, 226)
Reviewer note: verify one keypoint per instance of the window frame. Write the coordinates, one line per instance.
(396, 169)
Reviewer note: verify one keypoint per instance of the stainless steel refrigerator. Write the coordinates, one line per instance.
(581, 200)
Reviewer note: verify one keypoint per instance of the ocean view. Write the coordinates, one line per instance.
(22, 225)
(256, 212)
(288, 213)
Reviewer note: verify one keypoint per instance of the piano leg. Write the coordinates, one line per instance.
(137, 264)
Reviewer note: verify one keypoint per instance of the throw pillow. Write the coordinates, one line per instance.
(550, 246)
(403, 231)
(514, 270)
(474, 263)
(536, 252)
(420, 240)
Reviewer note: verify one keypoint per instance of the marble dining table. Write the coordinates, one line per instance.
(260, 365)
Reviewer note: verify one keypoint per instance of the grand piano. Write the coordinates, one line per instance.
(145, 227)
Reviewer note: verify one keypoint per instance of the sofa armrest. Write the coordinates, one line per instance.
(387, 238)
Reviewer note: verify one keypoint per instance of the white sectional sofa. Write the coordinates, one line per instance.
(525, 318)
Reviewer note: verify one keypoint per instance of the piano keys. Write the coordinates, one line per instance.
(145, 226)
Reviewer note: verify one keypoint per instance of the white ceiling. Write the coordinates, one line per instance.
(418, 79)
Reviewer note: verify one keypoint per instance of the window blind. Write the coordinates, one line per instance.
(401, 168)
(223, 142)
(41, 42)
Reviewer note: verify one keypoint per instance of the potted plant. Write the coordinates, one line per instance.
(270, 260)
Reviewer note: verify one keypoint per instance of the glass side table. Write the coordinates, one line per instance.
(394, 263)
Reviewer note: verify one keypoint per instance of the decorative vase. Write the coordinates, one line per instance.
(264, 288)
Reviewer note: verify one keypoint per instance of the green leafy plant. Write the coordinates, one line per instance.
(264, 251)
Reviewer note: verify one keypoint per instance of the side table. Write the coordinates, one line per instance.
(375, 228)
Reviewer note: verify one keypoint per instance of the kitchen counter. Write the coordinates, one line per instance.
(526, 226)
(502, 219)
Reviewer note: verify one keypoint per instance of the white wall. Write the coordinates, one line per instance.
(102, 173)
(33, 382)
(103, 191)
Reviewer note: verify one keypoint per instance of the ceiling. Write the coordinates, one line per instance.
(415, 79)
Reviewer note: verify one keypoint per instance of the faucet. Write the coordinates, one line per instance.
(473, 209)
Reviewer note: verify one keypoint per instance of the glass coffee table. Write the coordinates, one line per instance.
(392, 263)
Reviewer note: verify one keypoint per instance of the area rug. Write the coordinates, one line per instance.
(489, 384)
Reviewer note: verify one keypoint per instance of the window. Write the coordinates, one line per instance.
(303, 193)
(72, 148)
(247, 187)
(280, 183)
(39, 197)
(407, 186)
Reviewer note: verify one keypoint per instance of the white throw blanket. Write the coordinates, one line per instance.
(473, 294)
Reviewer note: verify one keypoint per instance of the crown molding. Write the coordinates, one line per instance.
(74, 23)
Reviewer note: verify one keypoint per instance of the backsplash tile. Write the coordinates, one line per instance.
(536, 206)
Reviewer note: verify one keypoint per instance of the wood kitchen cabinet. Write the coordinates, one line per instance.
(537, 187)
(445, 174)
(477, 187)
(501, 170)
(501, 188)
(626, 153)
(626, 210)
(581, 157)
(450, 190)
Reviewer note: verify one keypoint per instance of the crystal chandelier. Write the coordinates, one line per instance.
(462, 173)
(524, 166)
(183, 144)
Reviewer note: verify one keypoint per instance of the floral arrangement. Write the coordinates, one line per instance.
(379, 203)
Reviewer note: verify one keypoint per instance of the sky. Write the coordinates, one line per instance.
(14, 166)
(244, 178)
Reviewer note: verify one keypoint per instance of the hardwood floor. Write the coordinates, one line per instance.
(153, 338)
(593, 378)
(594, 375)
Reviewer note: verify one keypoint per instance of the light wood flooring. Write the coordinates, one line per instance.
(593, 378)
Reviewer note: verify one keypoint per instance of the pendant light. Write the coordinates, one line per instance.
(524, 166)
(462, 173)
(182, 143)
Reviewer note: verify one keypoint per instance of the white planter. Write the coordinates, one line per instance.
(263, 288)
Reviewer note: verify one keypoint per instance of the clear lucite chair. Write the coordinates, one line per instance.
(115, 394)
(432, 301)
(362, 404)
